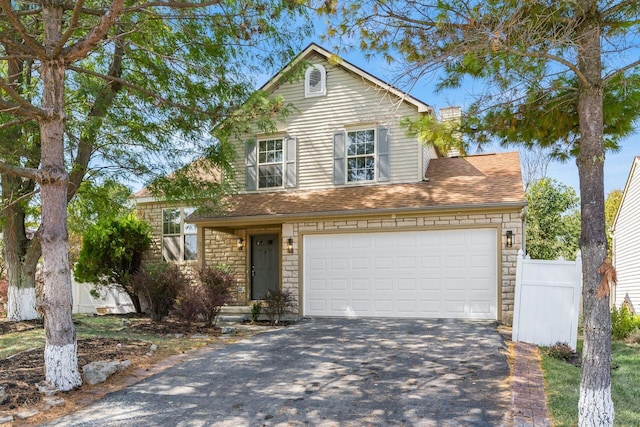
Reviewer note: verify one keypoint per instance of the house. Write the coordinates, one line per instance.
(626, 241)
(355, 218)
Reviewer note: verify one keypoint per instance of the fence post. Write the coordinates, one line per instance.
(518, 296)
(577, 299)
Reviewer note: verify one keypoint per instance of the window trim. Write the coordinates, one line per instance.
(182, 235)
(323, 81)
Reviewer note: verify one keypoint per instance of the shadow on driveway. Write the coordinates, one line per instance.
(328, 372)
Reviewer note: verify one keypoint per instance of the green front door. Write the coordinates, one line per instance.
(264, 265)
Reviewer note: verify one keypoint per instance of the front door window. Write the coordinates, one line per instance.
(264, 265)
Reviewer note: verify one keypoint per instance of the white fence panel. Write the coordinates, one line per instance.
(547, 301)
(109, 301)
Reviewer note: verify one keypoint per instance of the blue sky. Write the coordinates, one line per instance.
(617, 165)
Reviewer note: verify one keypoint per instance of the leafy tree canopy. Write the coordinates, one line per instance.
(553, 222)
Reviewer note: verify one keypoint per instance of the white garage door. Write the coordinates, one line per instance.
(422, 274)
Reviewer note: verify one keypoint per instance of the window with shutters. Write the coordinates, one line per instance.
(270, 163)
(315, 81)
(361, 155)
(179, 239)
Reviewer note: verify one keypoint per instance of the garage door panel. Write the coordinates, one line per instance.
(383, 263)
(445, 273)
(406, 262)
(317, 285)
(479, 307)
(407, 284)
(360, 263)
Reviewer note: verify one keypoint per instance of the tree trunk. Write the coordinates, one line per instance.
(595, 407)
(60, 355)
(20, 266)
(20, 254)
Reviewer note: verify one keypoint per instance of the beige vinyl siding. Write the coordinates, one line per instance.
(350, 103)
(627, 242)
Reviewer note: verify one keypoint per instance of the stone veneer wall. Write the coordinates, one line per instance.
(221, 248)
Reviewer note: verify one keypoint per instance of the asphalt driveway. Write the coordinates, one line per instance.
(327, 372)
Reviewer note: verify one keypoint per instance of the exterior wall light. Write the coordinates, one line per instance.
(290, 245)
(240, 242)
(509, 239)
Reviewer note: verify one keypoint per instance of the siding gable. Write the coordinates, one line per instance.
(627, 241)
(350, 102)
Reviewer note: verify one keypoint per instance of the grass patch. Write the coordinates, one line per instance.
(20, 341)
(563, 387)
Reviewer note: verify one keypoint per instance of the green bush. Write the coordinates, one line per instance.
(112, 252)
(217, 285)
(256, 309)
(623, 322)
(160, 283)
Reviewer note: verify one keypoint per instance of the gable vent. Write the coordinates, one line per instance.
(315, 81)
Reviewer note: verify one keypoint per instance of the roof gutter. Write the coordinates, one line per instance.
(279, 218)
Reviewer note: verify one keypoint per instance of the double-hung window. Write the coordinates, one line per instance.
(179, 239)
(361, 155)
(270, 163)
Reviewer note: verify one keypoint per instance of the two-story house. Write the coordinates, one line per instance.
(354, 217)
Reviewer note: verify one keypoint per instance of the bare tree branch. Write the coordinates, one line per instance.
(17, 25)
(621, 70)
(19, 171)
(96, 35)
(72, 27)
(173, 5)
(18, 200)
(618, 7)
(14, 123)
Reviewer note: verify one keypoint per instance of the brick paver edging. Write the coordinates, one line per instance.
(529, 400)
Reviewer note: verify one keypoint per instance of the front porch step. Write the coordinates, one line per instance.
(234, 313)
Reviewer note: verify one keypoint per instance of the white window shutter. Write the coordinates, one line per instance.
(383, 149)
(291, 173)
(339, 158)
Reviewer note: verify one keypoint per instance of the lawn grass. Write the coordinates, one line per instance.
(99, 326)
(563, 387)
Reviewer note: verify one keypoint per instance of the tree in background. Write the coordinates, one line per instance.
(534, 163)
(83, 81)
(93, 202)
(111, 254)
(553, 222)
(558, 74)
(611, 205)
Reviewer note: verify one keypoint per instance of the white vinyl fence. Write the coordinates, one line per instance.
(110, 300)
(547, 301)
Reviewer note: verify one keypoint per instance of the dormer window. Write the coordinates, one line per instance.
(315, 81)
